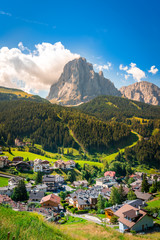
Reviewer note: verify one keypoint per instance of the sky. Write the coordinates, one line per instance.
(119, 37)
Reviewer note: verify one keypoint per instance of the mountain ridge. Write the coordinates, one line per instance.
(10, 94)
(79, 83)
(142, 91)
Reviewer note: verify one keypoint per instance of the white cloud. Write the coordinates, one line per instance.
(134, 71)
(153, 70)
(35, 70)
(123, 68)
(126, 76)
(103, 67)
(5, 13)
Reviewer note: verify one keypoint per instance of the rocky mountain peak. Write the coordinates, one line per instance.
(142, 91)
(79, 83)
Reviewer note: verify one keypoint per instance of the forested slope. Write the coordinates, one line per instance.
(49, 126)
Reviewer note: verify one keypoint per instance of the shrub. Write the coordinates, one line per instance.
(114, 219)
(81, 211)
(133, 232)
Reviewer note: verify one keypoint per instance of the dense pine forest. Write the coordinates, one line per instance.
(142, 118)
(108, 107)
(50, 126)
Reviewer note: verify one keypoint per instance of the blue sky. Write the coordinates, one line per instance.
(111, 34)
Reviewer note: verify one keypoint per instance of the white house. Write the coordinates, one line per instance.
(131, 218)
(41, 188)
(41, 166)
(8, 190)
(60, 164)
(3, 161)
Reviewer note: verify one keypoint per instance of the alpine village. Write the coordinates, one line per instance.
(76, 170)
(80, 120)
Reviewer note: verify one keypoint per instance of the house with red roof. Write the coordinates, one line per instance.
(110, 174)
(50, 201)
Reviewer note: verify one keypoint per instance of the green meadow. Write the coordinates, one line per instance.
(3, 181)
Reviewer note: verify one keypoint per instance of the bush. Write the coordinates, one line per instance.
(64, 204)
(69, 207)
(81, 211)
(133, 232)
(62, 221)
(114, 219)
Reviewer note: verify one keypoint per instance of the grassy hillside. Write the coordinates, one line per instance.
(26, 226)
(110, 107)
(31, 226)
(17, 94)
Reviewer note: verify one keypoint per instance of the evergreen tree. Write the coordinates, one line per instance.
(38, 177)
(100, 202)
(62, 195)
(121, 193)
(145, 185)
(20, 192)
(153, 188)
(131, 195)
(115, 196)
(106, 165)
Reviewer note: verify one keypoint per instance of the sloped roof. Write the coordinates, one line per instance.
(110, 173)
(144, 196)
(128, 209)
(51, 197)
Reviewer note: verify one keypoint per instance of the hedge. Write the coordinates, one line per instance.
(81, 211)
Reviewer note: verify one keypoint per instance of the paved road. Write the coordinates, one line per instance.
(4, 175)
(87, 217)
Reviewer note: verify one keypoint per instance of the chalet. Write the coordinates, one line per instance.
(60, 164)
(50, 201)
(24, 166)
(41, 166)
(110, 211)
(143, 196)
(53, 182)
(41, 188)
(111, 174)
(8, 190)
(14, 181)
(82, 183)
(36, 196)
(19, 143)
(3, 161)
(131, 218)
(106, 182)
(17, 159)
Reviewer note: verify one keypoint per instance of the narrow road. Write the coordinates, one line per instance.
(87, 217)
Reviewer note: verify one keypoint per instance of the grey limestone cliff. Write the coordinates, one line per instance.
(142, 91)
(80, 83)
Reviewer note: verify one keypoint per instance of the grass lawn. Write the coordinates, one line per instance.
(75, 220)
(101, 215)
(154, 202)
(33, 156)
(3, 181)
